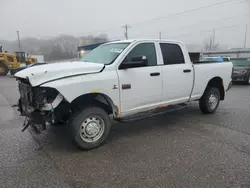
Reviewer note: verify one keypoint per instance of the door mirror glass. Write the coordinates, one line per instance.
(137, 61)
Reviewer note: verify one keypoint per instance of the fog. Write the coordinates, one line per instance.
(45, 19)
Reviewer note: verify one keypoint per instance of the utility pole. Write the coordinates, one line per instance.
(245, 41)
(210, 43)
(126, 30)
(213, 39)
(160, 35)
(19, 42)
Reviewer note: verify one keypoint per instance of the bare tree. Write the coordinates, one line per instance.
(210, 44)
(55, 48)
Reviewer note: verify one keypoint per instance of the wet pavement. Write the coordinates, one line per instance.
(180, 149)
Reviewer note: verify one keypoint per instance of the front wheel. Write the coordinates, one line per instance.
(4, 69)
(90, 127)
(210, 100)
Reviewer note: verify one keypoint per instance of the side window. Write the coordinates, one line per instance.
(144, 49)
(10, 59)
(172, 54)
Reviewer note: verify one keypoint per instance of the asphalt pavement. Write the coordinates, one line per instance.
(180, 149)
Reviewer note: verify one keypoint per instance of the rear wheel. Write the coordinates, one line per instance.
(90, 127)
(210, 100)
(3, 69)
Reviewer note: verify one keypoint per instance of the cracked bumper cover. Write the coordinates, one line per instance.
(38, 115)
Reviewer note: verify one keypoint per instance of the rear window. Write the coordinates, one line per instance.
(172, 54)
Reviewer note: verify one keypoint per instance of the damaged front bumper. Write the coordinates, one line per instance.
(33, 117)
(41, 105)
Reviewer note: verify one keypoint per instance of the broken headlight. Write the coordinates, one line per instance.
(44, 95)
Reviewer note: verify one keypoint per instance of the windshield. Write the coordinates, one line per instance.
(105, 54)
(241, 62)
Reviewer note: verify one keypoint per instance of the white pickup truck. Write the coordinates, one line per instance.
(120, 80)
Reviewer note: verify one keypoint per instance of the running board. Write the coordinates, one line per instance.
(151, 113)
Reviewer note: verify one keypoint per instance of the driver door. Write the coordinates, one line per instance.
(140, 87)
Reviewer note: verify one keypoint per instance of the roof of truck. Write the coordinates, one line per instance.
(138, 40)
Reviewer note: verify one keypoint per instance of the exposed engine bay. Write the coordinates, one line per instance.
(40, 105)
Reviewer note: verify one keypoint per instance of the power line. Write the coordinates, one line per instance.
(208, 30)
(186, 12)
(206, 21)
(174, 15)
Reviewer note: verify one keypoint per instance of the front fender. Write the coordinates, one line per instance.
(74, 87)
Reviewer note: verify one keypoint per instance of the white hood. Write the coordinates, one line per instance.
(43, 73)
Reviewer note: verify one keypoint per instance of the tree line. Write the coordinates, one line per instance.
(54, 48)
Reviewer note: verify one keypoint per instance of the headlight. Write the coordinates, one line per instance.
(45, 95)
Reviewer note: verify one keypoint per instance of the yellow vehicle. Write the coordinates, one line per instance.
(31, 60)
(7, 62)
(21, 57)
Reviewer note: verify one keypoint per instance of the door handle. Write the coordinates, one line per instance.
(186, 70)
(155, 74)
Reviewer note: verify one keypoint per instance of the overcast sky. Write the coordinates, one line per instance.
(36, 18)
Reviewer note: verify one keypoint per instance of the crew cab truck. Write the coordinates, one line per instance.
(120, 80)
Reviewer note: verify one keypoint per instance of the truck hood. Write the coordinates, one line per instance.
(38, 75)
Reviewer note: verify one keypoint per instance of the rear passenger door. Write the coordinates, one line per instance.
(177, 74)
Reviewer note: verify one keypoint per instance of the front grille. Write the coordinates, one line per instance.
(25, 92)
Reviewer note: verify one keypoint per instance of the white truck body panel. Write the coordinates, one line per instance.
(44, 73)
(140, 96)
(204, 73)
(172, 86)
(73, 87)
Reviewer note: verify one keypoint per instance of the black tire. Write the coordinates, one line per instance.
(5, 69)
(206, 106)
(247, 82)
(81, 118)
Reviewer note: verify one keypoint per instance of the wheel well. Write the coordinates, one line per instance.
(218, 83)
(95, 99)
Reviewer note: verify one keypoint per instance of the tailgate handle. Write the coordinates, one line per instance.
(186, 70)
(155, 74)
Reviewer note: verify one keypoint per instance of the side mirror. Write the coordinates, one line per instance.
(139, 61)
